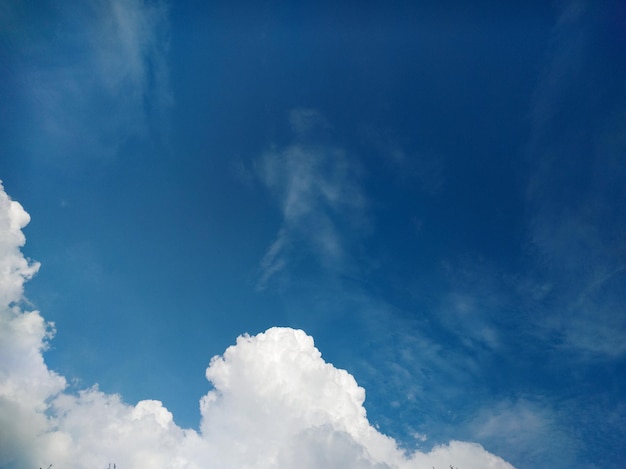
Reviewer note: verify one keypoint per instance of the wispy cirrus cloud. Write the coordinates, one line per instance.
(320, 198)
(577, 189)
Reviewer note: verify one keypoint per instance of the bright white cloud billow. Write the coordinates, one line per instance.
(275, 403)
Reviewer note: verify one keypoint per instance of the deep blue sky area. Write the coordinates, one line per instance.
(435, 191)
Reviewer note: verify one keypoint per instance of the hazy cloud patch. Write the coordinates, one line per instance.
(529, 430)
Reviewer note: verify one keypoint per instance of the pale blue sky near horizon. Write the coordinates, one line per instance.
(435, 191)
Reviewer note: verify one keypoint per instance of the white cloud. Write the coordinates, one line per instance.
(275, 403)
(25, 381)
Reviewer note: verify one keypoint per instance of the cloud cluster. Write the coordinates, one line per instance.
(275, 403)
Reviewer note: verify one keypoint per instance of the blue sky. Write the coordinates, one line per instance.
(434, 191)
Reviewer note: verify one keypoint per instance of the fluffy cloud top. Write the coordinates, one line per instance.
(275, 403)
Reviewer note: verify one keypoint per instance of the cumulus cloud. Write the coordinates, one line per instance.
(317, 187)
(275, 403)
(25, 381)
